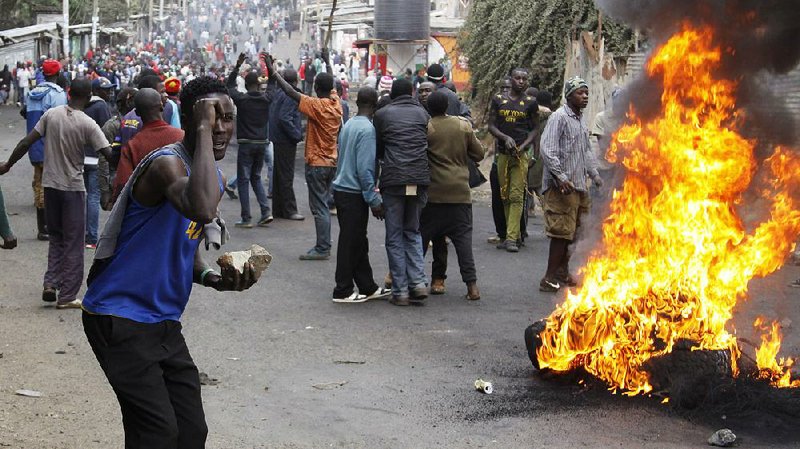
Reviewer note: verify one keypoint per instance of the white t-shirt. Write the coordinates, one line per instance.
(23, 78)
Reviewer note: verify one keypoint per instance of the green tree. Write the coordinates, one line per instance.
(500, 35)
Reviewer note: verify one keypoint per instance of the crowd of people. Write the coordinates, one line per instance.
(138, 130)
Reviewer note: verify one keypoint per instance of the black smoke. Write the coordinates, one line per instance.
(760, 41)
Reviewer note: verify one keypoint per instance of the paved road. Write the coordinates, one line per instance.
(406, 374)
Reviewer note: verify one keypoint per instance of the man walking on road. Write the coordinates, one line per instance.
(45, 96)
(324, 120)
(252, 118)
(99, 111)
(354, 192)
(142, 276)
(568, 162)
(66, 130)
(402, 144)
(285, 132)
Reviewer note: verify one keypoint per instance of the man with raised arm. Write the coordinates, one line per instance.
(324, 120)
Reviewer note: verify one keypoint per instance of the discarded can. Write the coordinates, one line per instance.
(483, 386)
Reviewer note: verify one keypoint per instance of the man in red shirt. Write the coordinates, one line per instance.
(155, 133)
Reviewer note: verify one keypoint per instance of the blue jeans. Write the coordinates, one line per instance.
(269, 160)
(92, 185)
(319, 180)
(404, 241)
(249, 163)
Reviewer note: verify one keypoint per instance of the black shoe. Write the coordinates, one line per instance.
(9, 243)
(264, 221)
(41, 225)
(231, 193)
(549, 285)
(49, 294)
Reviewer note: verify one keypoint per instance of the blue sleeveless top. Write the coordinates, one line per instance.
(149, 278)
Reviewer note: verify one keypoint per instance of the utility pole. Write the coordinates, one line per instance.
(149, 19)
(66, 27)
(95, 22)
(160, 11)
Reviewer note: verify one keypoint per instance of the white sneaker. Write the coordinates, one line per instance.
(380, 293)
(352, 299)
(74, 304)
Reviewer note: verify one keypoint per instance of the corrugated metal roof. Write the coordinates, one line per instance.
(17, 34)
(785, 86)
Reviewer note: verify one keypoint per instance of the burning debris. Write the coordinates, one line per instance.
(675, 256)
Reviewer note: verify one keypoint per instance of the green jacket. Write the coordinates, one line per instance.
(452, 145)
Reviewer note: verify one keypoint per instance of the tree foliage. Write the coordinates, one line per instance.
(500, 35)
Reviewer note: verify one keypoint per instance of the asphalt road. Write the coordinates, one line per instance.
(385, 377)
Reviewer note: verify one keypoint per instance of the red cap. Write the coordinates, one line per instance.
(172, 85)
(51, 67)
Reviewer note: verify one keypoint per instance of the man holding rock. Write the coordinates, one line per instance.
(138, 290)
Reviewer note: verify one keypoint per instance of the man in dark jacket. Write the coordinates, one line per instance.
(252, 110)
(99, 111)
(402, 145)
(455, 107)
(285, 132)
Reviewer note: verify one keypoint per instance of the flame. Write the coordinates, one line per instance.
(770, 368)
(675, 256)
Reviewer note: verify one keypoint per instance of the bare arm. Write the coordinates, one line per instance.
(274, 75)
(326, 60)
(106, 152)
(532, 134)
(508, 142)
(20, 150)
(195, 196)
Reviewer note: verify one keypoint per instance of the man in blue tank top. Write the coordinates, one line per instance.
(138, 288)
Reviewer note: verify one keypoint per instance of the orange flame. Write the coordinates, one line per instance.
(675, 256)
(777, 371)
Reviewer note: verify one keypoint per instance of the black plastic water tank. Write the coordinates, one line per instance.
(402, 20)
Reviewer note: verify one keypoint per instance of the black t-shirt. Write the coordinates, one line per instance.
(513, 118)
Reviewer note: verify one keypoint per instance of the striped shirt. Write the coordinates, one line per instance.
(566, 152)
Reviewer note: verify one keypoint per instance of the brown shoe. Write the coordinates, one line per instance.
(399, 300)
(473, 294)
(437, 287)
(387, 281)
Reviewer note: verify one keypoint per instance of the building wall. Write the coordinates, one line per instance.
(23, 51)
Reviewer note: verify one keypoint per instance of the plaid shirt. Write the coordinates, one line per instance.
(566, 152)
